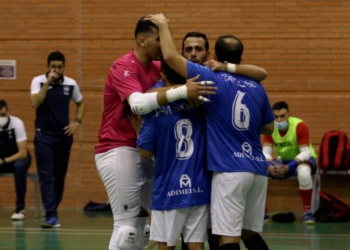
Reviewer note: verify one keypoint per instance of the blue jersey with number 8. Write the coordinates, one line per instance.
(176, 134)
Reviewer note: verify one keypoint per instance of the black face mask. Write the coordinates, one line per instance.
(59, 80)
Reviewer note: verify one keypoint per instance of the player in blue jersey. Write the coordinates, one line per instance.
(175, 134)
(235, 117)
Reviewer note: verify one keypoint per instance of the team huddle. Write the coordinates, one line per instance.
(195, 161)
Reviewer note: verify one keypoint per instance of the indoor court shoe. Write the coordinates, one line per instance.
(50, 223)
(266, 217)
(308, 218)
(19, 215)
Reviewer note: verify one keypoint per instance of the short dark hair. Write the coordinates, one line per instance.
(280, 105)
(55, 56)
(3, 104)
(144, 26)
(196, 34)
(170, 74)
(227, 50)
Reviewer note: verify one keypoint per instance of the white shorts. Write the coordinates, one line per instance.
(237, 201)
(192, 222)
(128, 180)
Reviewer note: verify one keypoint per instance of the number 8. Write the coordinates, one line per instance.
(184, 144)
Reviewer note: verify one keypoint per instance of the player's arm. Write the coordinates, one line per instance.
(303, 144)
(267, 149)
(146, 133)
(21, 139)
(144, 103)
(38, 94)
(145, 154)
(268, 118)
(267, 129)
(248, 70)
(20, 155)
(272, 170)
(169, 50)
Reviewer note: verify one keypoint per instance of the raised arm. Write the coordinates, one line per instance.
(248, 70)
(38, 94)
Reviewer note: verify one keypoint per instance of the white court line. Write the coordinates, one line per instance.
(10, 230)
(58, 232)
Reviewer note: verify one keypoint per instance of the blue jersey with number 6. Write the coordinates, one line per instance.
(176, 135)
(234, 117)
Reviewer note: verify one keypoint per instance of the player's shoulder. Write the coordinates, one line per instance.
(128, 62)
(15, 122)
(301, 124)
(40, 78)
(69, 81)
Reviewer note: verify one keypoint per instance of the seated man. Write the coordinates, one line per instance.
(292, 143)
(14, 156)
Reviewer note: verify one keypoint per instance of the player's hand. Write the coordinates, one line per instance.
(157, 19)
(215, 65)
(135, 121)
(284, 169)
(71, 128)
(275, 172)
(195, 90)
(52, 76)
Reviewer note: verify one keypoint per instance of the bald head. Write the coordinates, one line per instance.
(228, 48)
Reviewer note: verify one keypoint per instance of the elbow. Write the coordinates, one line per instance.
(145, 155)
(263, 75)
(34, 105)
(23, 155)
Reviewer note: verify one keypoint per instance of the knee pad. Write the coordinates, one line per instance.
(143, 233)
(304, 177)
(125, 237)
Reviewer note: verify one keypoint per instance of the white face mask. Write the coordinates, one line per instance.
(281, 125)
(3, 121)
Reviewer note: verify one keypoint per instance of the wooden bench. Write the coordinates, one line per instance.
(315, 200)
(35, 179)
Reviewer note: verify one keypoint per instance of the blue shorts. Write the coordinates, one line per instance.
(311, 162)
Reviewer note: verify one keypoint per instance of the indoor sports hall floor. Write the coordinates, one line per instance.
(81, 230)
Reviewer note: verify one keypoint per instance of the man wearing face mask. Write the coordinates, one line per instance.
(51, 94)
(291, 141)
(14, 156)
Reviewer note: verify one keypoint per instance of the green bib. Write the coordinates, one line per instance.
(287, 146)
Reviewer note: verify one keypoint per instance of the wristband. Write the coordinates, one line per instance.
(78, 120)
(176, 94)
(231, 68)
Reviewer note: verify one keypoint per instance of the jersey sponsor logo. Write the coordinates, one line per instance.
(185, 181)
(283, 144)
(247, 152)
(66, 90)
(169, 109)
(185, 187)
(126, 73)
(239, 82)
